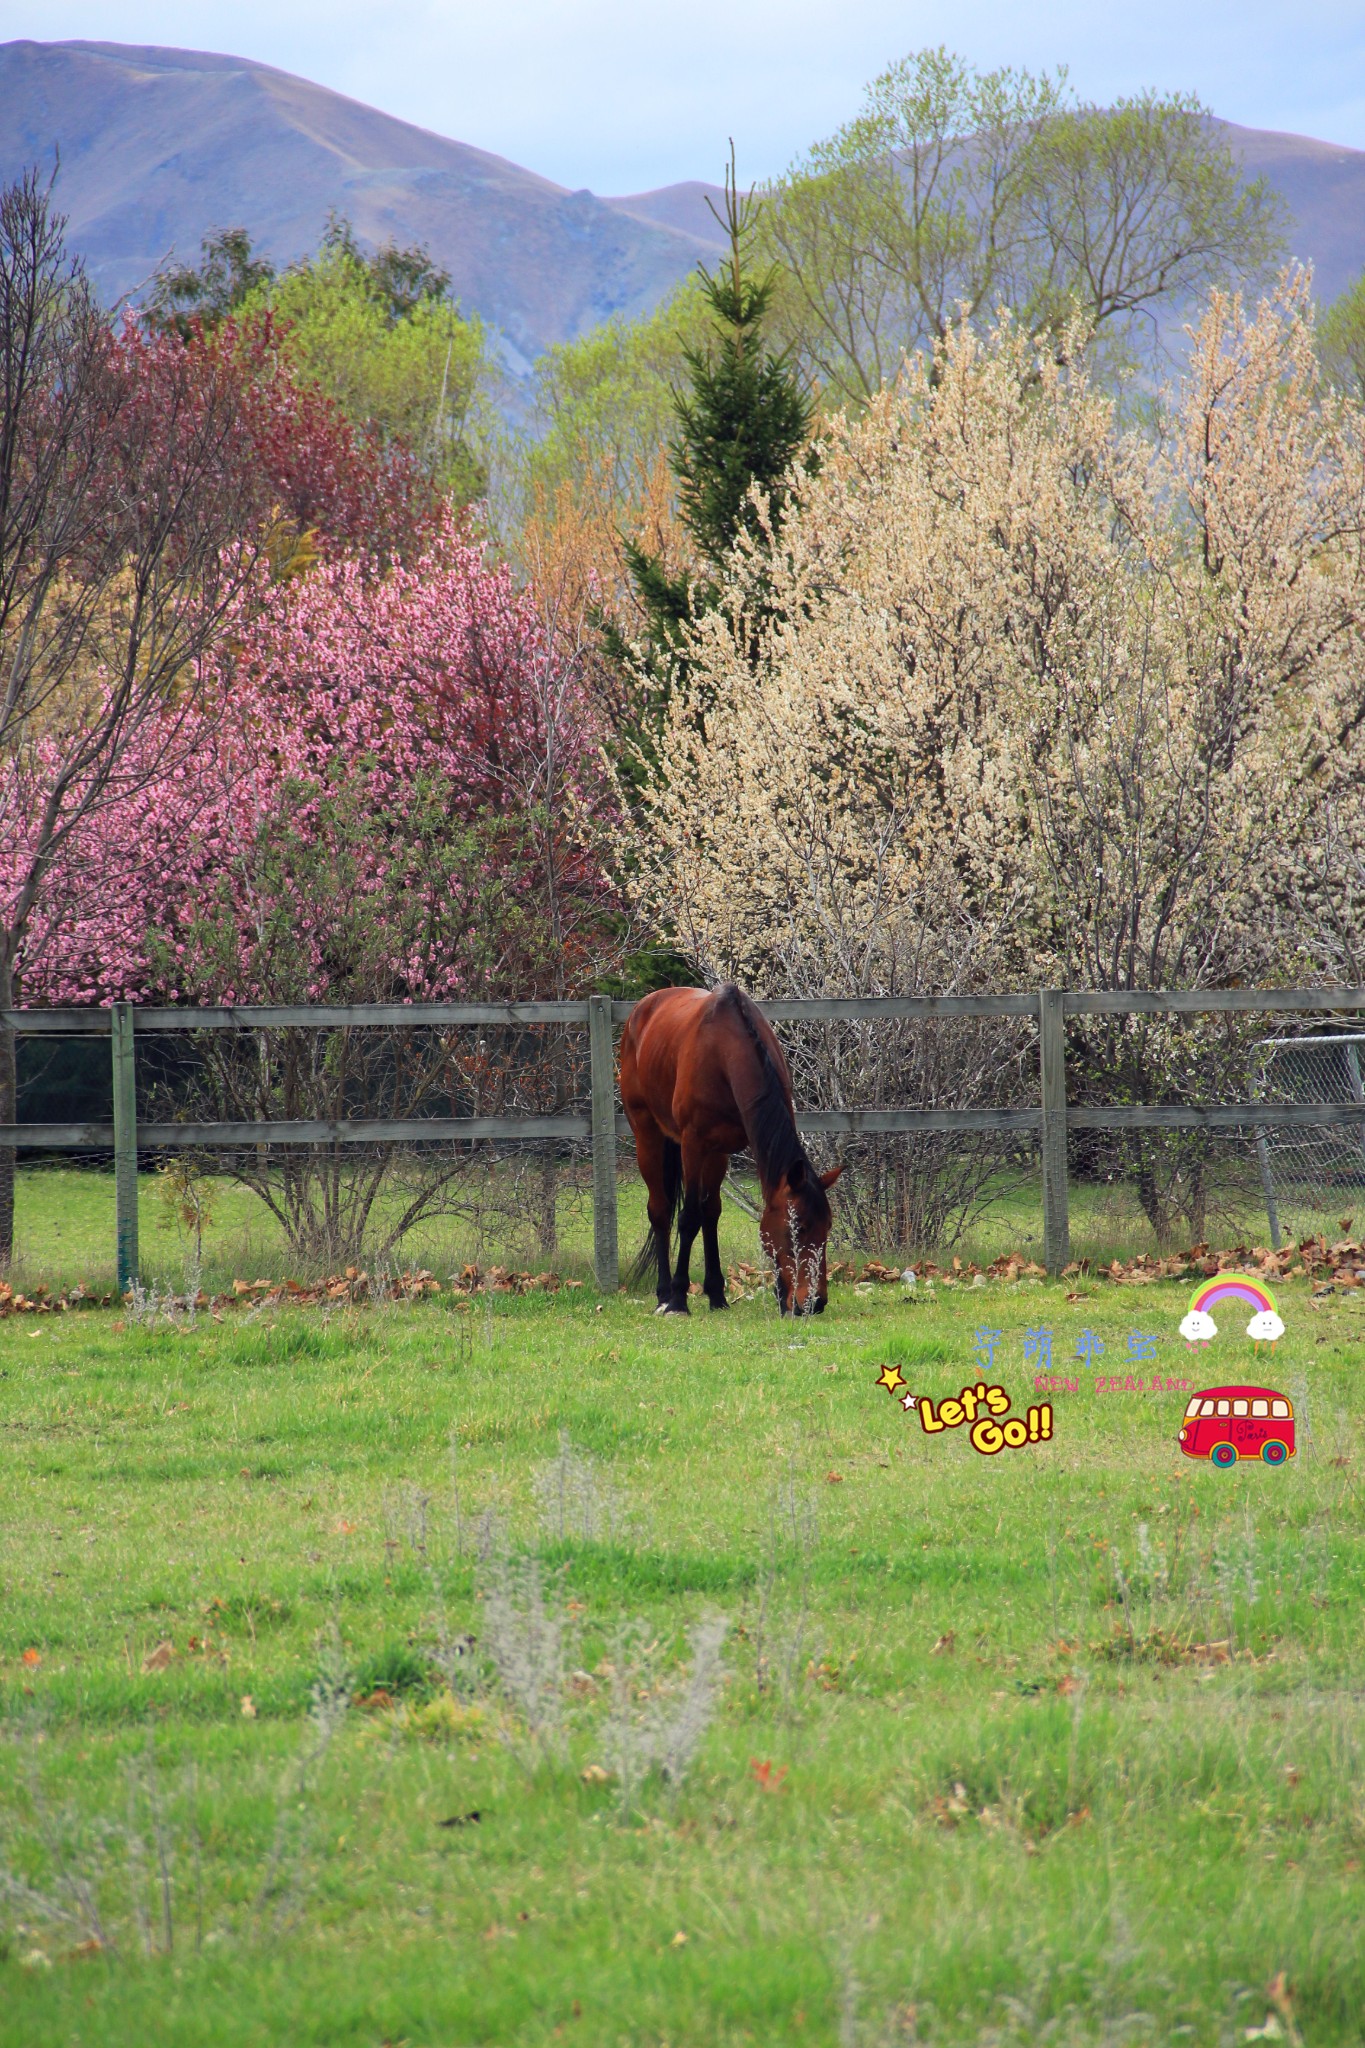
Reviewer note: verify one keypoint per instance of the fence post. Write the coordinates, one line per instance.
(1052, 1064)
(1272, 1212)
(125, 1144)
(605, 1257)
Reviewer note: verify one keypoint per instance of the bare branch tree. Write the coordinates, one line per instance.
(130, 520)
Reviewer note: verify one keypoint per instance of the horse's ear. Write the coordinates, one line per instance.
(827, 1180)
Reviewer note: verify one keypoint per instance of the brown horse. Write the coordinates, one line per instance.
(702, 1076)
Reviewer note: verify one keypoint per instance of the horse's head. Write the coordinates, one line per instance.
(794, 1229)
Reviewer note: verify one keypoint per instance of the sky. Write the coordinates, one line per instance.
(625, 95)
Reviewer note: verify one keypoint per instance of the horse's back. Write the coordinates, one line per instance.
(652, 1045)
(675, 1059)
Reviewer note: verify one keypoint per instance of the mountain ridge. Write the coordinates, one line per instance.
(160, 146)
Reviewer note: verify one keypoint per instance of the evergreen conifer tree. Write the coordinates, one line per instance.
(744, 421)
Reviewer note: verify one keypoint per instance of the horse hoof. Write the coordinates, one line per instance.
(671, 1308)
(719, 1304)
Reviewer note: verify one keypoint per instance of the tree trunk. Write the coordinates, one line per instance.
(548, 1227)
(1149, 1193)
(1197, 1202)
(548, 1232)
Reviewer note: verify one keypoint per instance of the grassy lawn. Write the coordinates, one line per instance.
(1063, 1744)
(64, 1229)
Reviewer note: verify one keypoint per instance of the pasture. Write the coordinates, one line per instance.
(1063, 1744)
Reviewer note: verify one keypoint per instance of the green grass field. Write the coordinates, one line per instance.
(1059, 1745)
(64, 1229)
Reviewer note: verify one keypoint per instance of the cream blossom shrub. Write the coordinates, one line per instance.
(1030, 697)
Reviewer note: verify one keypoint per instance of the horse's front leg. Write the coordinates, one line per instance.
(702, 1176)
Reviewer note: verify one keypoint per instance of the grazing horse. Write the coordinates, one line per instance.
(702, 1076)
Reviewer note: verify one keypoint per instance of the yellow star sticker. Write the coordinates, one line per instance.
(891, 1378)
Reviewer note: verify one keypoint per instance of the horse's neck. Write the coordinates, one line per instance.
(765, 1111)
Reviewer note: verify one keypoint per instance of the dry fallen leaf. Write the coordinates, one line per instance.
(160, 1657)
(248, 1707)
(31, 1658)
(679, 1940)
(944, 1646)
(595, 1775)
(834, 1478)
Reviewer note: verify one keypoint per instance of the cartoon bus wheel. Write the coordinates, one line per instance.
(1274, 1452)
(1223, 1455)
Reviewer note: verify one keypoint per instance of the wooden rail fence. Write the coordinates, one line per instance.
(604, 1125)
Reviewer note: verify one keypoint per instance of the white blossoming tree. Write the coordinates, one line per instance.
(1034, 699)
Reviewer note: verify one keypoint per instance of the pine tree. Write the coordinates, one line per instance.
(744, 421)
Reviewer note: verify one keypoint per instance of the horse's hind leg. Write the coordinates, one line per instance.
(713, 1273)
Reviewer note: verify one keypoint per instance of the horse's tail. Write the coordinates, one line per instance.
(673, 1191)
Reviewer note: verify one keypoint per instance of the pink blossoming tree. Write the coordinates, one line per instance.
(387, 788)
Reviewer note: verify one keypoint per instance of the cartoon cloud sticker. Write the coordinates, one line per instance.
(1264, 1328)
(1198, 1327)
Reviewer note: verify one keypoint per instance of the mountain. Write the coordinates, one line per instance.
(160, 146)
(1323, 186)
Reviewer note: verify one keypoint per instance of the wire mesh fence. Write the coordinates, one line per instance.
(905, 1190)
(310, 1142)
(337, 1202)
(1310, 1172)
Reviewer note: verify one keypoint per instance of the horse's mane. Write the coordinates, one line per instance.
(768, 1122)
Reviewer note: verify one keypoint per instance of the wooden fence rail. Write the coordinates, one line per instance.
(1052, 1119)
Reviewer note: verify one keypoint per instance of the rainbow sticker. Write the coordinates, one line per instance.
(1232, 1287)
(1265, 1326)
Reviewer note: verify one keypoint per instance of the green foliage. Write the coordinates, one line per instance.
(378, 335)
(605, 401)
(741, 425)
(1341, 339)
(184, 297)
(957, 192)
(746, 419)
(401, 279)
